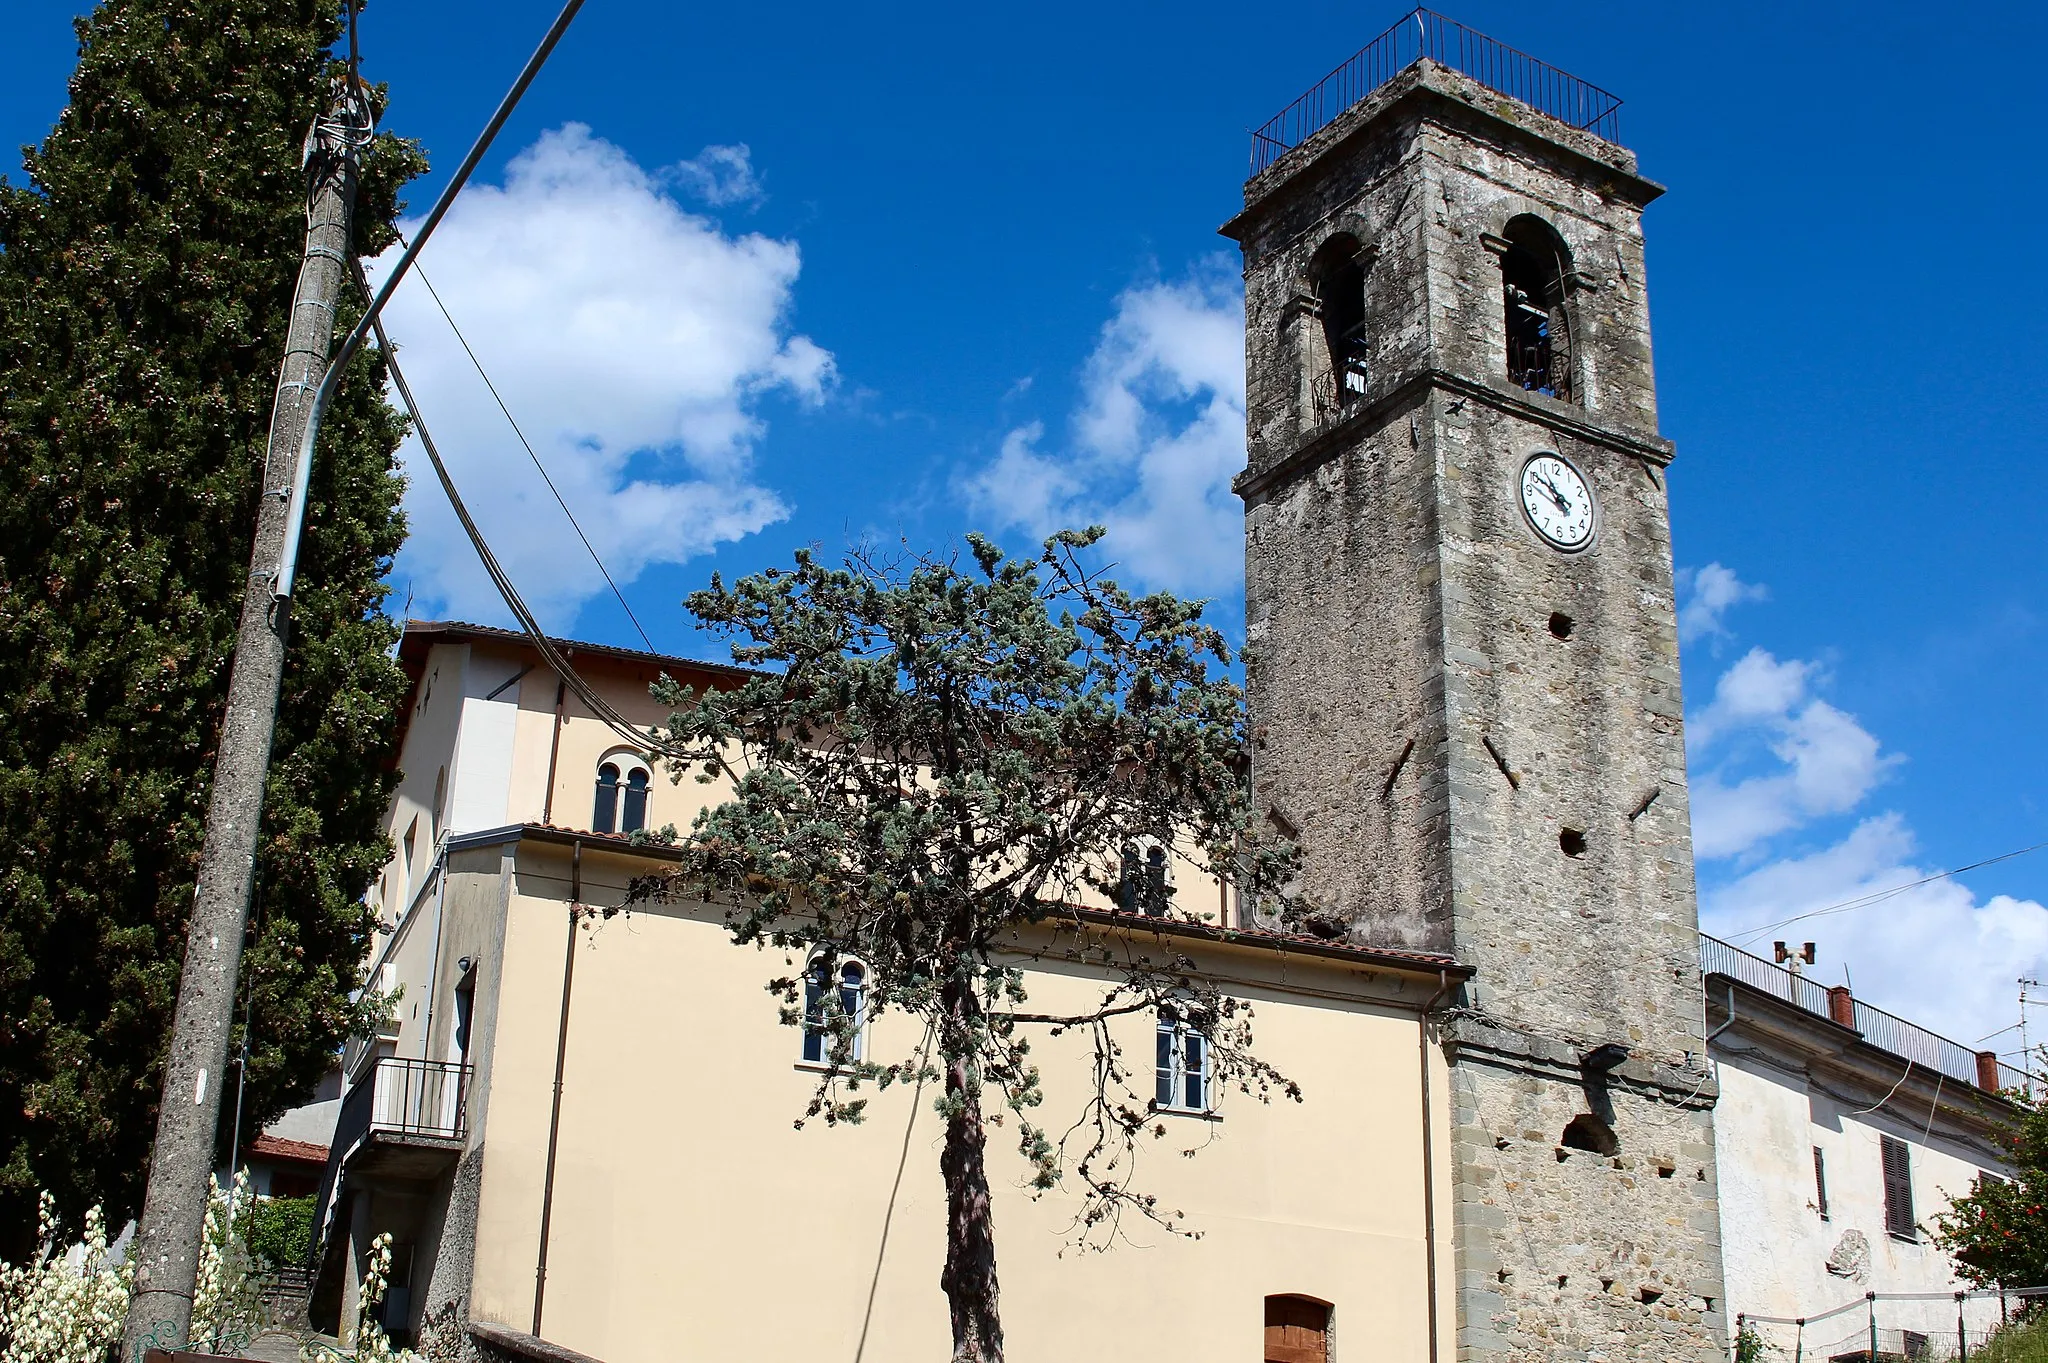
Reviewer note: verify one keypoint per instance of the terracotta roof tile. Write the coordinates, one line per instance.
(1399, 957)
(278, 1148)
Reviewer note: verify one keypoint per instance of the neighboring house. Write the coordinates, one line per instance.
(281, 1167)
(665, 1207)
(1843, 1132)
(288, 1157)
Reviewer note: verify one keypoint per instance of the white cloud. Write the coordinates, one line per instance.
(720, 176)
(1934, 953)
(632, 340)
(1817, 760)
(1772, 759)
(1710, 593)
(1158, 437)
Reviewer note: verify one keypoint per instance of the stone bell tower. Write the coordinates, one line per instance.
(1463, 663)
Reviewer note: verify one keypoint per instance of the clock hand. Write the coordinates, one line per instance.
(1563, 502)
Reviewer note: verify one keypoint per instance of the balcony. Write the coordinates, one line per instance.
(406, 1098)
(403, 1121)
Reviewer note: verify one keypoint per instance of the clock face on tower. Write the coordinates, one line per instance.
(1557, 502)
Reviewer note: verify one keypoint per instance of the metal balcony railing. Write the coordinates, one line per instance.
(414, 1097)
(397, 1095)
(1886, 1031)
(1425, 33)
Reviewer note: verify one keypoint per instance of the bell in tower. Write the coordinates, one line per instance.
(1463, 657)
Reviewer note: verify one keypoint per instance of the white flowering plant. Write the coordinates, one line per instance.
(67, 1305)
(372, 1344)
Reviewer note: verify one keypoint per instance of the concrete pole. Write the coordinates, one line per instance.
(166, 1248)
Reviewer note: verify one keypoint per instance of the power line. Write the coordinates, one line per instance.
(599, 707)
(1879, 896)
(559, 501)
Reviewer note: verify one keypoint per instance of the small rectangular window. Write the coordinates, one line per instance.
(1820, 1182)
(1181, 1063)
(1898, 1189)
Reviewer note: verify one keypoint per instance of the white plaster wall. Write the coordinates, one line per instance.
(690, 1220)
(1776, 1243)
(480, 771)
(313, 1123)
(429, 748)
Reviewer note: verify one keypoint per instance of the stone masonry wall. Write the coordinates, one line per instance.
(1443, 705)
(1573, 1254)
(1352, 547)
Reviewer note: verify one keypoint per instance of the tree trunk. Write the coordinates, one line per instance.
(969, 1279)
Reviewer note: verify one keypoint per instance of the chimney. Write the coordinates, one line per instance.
(1987, 1071)
(1841, 1007)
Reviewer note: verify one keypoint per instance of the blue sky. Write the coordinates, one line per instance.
(757, 282)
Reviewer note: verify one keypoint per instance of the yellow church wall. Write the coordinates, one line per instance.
(691, 1220)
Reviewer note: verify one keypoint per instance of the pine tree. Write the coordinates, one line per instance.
(938, 757)
(146, 272)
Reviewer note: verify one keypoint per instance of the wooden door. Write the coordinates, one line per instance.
(1297, 1330)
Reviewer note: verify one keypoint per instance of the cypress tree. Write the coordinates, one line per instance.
(146, 271)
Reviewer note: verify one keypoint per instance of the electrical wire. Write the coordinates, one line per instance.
(530, 454)
(283, 577)
(1908, 1074)
(599, 707)
(1879, 896)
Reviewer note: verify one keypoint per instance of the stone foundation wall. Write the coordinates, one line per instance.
(1570, 1254)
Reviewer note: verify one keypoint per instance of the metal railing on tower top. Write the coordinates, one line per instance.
(1425, 33)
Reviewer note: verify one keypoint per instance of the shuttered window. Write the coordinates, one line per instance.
(1820, 1182)
(1297, 1330)
(1898, 1189)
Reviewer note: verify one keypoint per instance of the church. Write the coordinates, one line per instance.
(1465, 707)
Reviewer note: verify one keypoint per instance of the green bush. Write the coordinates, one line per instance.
(278, 1230)
(2018, 1343)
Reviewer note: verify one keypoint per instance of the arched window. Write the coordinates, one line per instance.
(633, 805)
(1142, 884)
(1534, 269)
(1297, 1330)
(828, 1009)
(622, 785)
(1337, 277)
(1182, 1053)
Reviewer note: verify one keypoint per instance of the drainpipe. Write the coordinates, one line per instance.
(547, 804)
(547, 1193)
(1429, 1152)
(434, 969)
(1709, 1039)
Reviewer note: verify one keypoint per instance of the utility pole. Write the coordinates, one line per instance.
(166, 1249)
(2026, 1053)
